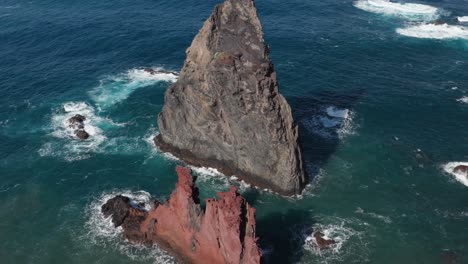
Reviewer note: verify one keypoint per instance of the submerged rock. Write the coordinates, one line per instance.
(81, 134)
(223, 233)
(77, 119)
(225, 110)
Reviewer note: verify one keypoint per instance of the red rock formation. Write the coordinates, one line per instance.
(223, 233)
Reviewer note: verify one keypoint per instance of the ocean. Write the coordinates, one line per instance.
(380, 95)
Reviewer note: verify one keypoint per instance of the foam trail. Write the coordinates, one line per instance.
(462, 19)
(115, 89)
(433, 31)
(406, 10)
(461, 177)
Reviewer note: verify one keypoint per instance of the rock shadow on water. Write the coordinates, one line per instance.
(280, 236)
(325, 118)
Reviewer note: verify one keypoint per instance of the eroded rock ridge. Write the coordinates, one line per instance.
(222, 233)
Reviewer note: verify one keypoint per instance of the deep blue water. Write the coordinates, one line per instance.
(396, 83)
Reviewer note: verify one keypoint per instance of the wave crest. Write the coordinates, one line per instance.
(406, 10)
(462, 19)
(114, 89)
(461, 177)
(433, 31)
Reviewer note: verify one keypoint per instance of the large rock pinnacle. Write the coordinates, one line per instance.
(226, 112)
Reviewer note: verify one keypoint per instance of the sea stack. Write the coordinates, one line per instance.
(225, 110)
(223, 233)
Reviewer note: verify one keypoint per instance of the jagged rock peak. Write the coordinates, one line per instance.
(225, 110)
(224, 233)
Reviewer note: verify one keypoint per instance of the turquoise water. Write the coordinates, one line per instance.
(367, 88)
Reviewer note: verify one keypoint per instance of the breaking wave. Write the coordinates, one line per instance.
(406, 10)
(461, 177)
(464, 99)
(115, 89)
(101, 231)
(462, 19)
(433, 31)
(331, 122)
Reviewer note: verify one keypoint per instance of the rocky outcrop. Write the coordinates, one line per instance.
(77, 123)
(225, 110)
(223, 233)
(321, 241)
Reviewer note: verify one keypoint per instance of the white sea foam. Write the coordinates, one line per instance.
(385, 219)
(339, 232)
(331, 122)
(101, 231)
(61, 126)
(149, 138)
(462, 19)
(408, 11)
(73, 148)
(215, 179)
(206, 171)
(433, 31)
(461, 177)
(335, 112)
(464, 99)
(219, 181)
(114, 89)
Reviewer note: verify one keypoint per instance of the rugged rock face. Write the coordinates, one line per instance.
(225, 110)
(223, 233)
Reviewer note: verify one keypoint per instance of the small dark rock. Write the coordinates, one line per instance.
(118, 207)
(81, 134)
(322, 242)
(461, 169)
(150, 71)
(77, 119)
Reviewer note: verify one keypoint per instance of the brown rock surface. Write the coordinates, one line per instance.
(81, 134)
(223, 233)
(226, 112)
(322, 242)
